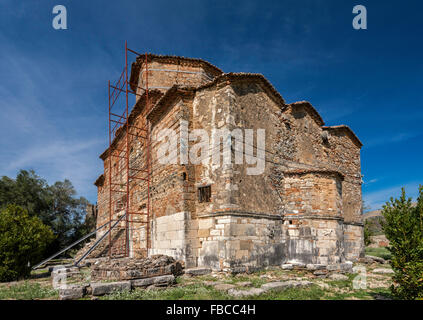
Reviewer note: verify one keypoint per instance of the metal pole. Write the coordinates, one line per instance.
(98, 241)
(148, 157)
(110, 180)
(68, 247)
(127, 152)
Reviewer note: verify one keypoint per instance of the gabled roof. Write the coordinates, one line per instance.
(344, 128)
(315, 171)
(136, 66)
(176, 90)
(100, 180)
(161, 100)
(168, 97)
(231, 76)
(307, 105)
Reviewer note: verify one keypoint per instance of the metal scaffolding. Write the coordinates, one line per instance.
(123, 171)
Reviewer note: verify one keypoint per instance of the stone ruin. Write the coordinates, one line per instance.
(305, 208)
(130, 268)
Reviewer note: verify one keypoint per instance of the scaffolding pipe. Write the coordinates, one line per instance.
(68, 247)
(120, 126)
(98, 241)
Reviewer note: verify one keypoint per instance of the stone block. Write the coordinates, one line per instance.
(245, 244)
(197, 271)
(157, 281)
(333, 267)
(313, 267)
(297, 264)
(215, 233)
(205, 223)
(203, 233)
(99, 289)
(383, 271)
(71, 292)
(376, 259)
(347, 266)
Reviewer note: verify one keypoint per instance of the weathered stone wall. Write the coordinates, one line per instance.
(174, 230)
(313, 217)
(345, 155)
(162, 75)
(232, 241)
(315, 239)
(254, 109)
(293, 211)
(313, 193)
(353, 240)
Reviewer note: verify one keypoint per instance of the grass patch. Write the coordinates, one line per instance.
(256, 281)
(190, 292)
(380, 252)
(27, 291)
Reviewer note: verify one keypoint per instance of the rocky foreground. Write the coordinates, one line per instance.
(137, 278)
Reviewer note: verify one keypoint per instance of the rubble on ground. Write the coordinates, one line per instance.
(130, 268)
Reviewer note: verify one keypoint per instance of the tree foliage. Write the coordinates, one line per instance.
(23, 240)
(56, 205)
(367, 233)
(403, 226)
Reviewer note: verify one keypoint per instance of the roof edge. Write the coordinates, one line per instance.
(314, 171)
(248, 76)
(310, 107)
(136, 66)
(347, 129)
(99, 180)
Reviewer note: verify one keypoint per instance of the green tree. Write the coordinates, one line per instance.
(57, 205)
(68, 212)
(367, 232)
(23, 240)
(28, 191)
(403, 226)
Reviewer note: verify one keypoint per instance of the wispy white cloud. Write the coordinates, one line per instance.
(370, 181)
(48, 124)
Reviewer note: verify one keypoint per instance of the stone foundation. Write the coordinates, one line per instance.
(353, 240)
(127, 269)
(229, 241)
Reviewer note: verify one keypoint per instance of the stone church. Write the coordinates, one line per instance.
(303, 207)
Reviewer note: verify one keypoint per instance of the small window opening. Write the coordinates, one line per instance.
(184, 176)
(204, 194)
(290, 221)
(288, 126)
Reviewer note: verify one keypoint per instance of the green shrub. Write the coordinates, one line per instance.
(381, 252)
(23, 239)
(367, 233)
(403, 227)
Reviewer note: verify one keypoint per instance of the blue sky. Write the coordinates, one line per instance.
(53, 83)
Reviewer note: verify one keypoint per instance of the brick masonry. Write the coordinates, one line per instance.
(305, 207)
